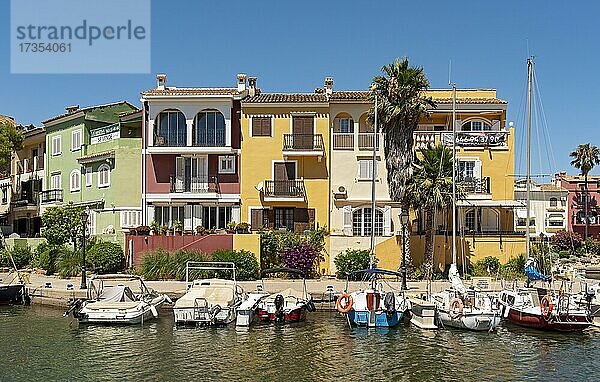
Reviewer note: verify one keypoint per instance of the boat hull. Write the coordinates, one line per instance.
(562, 323)
(375, 319)
(130, 316)
(13, 294)
(293, 315)
(470, 321)
(201, 317)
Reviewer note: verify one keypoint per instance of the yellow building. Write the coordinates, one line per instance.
(285, 163)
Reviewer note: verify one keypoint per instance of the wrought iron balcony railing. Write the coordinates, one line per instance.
(303, 142)
(50, 196)
(194, 185)
(284, 188)
(476, 185)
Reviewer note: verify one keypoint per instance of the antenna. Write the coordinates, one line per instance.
(450, 72)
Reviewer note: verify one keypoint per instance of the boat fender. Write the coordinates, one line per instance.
(344, 303)
(310, 306)
(390, 303)
(168, 299)
(215, 310)
(456, 308)
(154, 311)
(279, 301)
(546, 306)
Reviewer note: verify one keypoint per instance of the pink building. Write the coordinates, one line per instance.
(191, 155)
(576, 203)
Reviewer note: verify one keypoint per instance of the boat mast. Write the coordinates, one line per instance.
(374, 169)
(528, 173)
(454, 173)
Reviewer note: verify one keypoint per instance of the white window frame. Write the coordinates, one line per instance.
(88, 177)
(76, 133)
(131, 218)
(56, 145)
(225, 159)
(104, 168)
(56, 181)
(75, 185)
(373, 168)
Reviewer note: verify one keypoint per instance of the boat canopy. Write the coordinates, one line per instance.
(376, 271)
(119, 293)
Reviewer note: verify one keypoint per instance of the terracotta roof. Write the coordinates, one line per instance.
(84, 109)
(358, 95)
(471, 100)
(96, 155)
(349, 95)
(8, 120)
(172, 91)
(287, 98)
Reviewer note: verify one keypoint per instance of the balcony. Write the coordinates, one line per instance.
(194, 185)
(343, 141)
(366, 140)
(284, 189)
(303, 145)
(476, 186)
(488, 138)
(51, 196)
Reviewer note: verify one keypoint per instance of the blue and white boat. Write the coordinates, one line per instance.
(374, 306)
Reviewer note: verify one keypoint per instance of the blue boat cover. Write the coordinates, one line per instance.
(532, 272)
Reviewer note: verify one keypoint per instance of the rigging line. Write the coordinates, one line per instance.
(537, 130)
(520, 121)
(550, 152)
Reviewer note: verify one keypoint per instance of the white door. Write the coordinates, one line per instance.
(179, 174)
(199, 174)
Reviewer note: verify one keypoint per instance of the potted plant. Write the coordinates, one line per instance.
(164, 230)
(178, 227)
(242, 227)
(231, 226)
(155, 227)
(142, 230)
(200, 230)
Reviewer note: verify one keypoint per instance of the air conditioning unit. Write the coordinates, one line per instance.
(340, 192)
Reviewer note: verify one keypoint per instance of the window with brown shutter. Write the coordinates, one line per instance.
(256, 219)
(261, 126)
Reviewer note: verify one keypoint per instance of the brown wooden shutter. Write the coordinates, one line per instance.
(256, 219)
(271, 218)
(261, 126)
(301, 220)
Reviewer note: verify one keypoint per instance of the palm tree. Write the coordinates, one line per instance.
(585, 158)
(430, 189)
(402, 102)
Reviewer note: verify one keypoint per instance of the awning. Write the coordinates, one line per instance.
(522, 213)
(96, 157)
(490, 203)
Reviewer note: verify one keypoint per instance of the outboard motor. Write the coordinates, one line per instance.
(389, 303)
(214, 311)
(279, 301)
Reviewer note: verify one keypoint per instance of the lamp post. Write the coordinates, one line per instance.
(404, 221)
(84, 218)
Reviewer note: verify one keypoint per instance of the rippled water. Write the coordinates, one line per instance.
(38, 344)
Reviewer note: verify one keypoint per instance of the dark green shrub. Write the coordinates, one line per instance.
(274, 243)
(21, 254)
(350, 261)
(246, 265)
(514, 268)
(45, 256)
(106, 257)
(68, 263)
(180, 259)
(163, 265)
(564, 254)
(489, 263)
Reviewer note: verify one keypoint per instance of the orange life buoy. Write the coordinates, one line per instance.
(456, 308)
(344, 303)
(546, 305)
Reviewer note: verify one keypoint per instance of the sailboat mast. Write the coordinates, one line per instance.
(528, 173)
(454, 173)
(373, 206)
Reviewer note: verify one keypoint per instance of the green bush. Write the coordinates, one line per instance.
(68, 263)
(350, 261)
(246, 265)
(106, 257)
(564, 254)
(45, 257)
(514, 268)
(180, 259)
(21, 254)
(481, 267)
(274, 243)
(163, 265)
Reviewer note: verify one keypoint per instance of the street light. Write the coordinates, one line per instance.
(404, 221)
(84, 218)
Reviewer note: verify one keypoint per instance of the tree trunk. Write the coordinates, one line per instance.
(429, 243)
(587, 224)
(406, 251)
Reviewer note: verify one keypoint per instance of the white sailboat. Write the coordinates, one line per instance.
(459, 306)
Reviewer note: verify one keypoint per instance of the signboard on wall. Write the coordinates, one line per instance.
(476, 139)
(105, 134)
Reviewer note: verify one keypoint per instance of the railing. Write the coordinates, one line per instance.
(284, 188)
(343, 141)
(488, 138)
(477, 186)
(425, 139)
(50, 196)
(303, 142)
(365, 141)
(216, 139)
(195, 185)
(166, 142)
(24, 198)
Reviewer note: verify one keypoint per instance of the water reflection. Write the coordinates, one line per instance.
(39, 344)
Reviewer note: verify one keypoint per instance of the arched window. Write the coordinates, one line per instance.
(104, 175)
(171, 129)
(75, 180)
(476, 125)
(362, 223)
(553, 202)
(209, 129)
(470, 220)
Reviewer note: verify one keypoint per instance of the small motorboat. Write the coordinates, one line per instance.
(589, 298)
(247, 312)
(373, 306)
(14, 293)
(541, 308)
(110, 303)
(210, 301)
(463, 308)
(288, 305)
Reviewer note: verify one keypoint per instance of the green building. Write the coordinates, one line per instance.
(93, 160)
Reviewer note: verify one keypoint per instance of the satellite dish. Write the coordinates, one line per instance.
(342, 189)
(259, 186)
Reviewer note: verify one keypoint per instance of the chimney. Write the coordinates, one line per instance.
(328, 86)
(72, 109)
(161, 81)
(252, 90)
(241, 82)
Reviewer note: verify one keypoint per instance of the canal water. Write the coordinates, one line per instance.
(37, 344)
